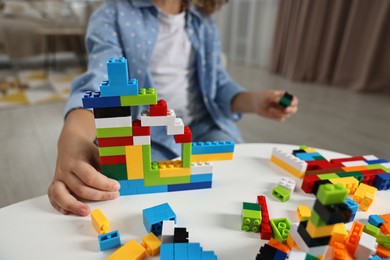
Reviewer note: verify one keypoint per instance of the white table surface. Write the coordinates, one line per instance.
(32, 229)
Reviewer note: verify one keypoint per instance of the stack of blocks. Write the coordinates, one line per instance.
(251, 217)
(124, 142)
(379, 227)
(107, 239)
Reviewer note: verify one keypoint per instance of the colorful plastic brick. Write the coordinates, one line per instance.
(371, 230)
(212, 147)
(289, 162)
(303, 212)
(100, 222)
(382, 181)
(154, 216)
(286, 99)
(280, 228)
(281, 193)
(353, 238)
(152, 244)
(334, 213)
(265, 227)
(288, 184)
(131, 250)
(109, 240)
(251, 217)
(331, 194)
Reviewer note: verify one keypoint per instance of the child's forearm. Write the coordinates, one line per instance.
(79, 122)
(243, 102)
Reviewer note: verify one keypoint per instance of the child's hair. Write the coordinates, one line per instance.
(207, 7)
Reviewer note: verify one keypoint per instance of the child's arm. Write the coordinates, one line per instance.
(76, 174)
(264, 104)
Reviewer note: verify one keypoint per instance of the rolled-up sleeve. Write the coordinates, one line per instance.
(102, 43)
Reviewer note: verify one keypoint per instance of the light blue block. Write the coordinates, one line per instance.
(209, 255)
(207, 177)
(375, 220)
(194, 251)
(180, 251)
(307, 156)
(154, 216)
(166, 252)
(212, 147)
(109, 240)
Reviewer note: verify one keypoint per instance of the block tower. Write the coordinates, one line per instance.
(329, 213)
(124, 141)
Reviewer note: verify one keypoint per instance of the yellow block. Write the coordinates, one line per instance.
(304, 212)
(287, 167)
(339, 234)
(100, 222)
(211, 157)
(366, 201)
(321, 231)
(134, 162)
(132, 250)
(291, 243)
(173, 169)
(362, 190)
(350, 183)
(152, 244)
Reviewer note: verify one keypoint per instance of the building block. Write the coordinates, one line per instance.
(194, 251)
(331, 194)
(152, 244)
(265, 227)
(385, 217)
(353, 206)
(366, 201)
(369, 176)
(280, 228)
(168, 230)
(353, 238)
(316, 219)
(115, 171)
(266, 252)
(159, 109)
(211, 157)
(366, 247)
(139, 130)
(154, 216)
(286, 99)
(308, 183)
(303, 212)
(114, 132)
(383, 240)
(327, 176)
(212, 147)
(115, 141)
(298, 239)
(144, 97)
(110, 112)
(180, 235)
(280, 246)
(134, 165)
(288, 184)
(347, 159)
(383, 252)
(357, 175)
(186, 154)
(289, 162)
(281, 193)
(109, 240)
(362, 190)
(308, 156)
(201, 168)
(339, 234)
(291, 243)
(177, 128)
(100, 222)
(184, 138)
(132, 250)
(265, 231)
(141, 140)
(112, 151)
(173, 169)
(250, 220)
(350, 183)
(147, 120)
(382, 181)
(319, 231)
(94, 100)
(309, 241)
(114, 159)
(167, 252)
(385, 228)
(317, 184)
(332, 214)
(113, 122)
(371, 230)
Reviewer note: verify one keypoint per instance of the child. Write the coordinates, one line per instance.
(171, 45)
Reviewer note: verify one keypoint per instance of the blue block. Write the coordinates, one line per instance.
(208, 255)
(378, 161)
(194, 251)
(206, 177)
(307, 156)
(94, 100)
(128, 187)
(382, 181)
(154, 216)
(280, 255)
(109, 240)
(353, 206)
(118, 83)
(180, 251)
(189, 186)
(212, 147)
(375, 220)
(143, 189)
(133, 187)
(166, 252)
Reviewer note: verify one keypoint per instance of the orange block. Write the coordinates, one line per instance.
(340, 252)
(354, 236)
(291, 243)
(355, 168)
(385, 217)
(280, 246)
(385, 228)
(383, 252)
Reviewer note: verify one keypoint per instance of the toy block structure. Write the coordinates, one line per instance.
(288, 162)
(124, 140)
(180, 251)
(251, 217)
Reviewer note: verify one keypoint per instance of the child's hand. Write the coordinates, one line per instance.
(76, 176)
(264, 104)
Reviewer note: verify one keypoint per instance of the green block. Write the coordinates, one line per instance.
(310, 257)
(302, 147)
(316, 219)
(383, 240)
(251, 206)
(377, 166)
(327, 176)
(186, 154)
(112, 150)
(332, 193)
(152, 172)
(250, 220)
(358, 175)
(115, 171)
(371, 230)
(280, 229)
(318, 158)
(114, 132)
(281, 193)
(144, 97)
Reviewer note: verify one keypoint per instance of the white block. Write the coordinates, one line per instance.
(288, 184)
(386, 165)
(290, 159)
(296, 255)
(177, 128)
(147, 120)
(168, 230)
(113, 122)
(366, 248)
(370, 157)
(141, 140)
(201, 168)
(354, 163)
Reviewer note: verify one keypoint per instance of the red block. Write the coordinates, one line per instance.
(116, 159)
(160, 109)
(308, 183)
(139, 130)
(115, 141)
(265, 227)
(184, 138)
(348, 159)
(265, 231)
(370, 175)
(321, 165)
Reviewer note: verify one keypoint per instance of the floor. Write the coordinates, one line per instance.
(329, 118)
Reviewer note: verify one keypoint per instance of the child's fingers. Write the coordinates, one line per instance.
(94, 179)
(63, 201)
(85, 192)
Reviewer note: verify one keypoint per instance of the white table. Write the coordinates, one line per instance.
(32, 229)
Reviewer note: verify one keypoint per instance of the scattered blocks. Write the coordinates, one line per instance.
(154, 216)
(281, 193)
(100, 222)
(280, 228)
(109, 240)
(152, 244)
(251, 217)
(303, 212)
(131, 250)
(288, 184)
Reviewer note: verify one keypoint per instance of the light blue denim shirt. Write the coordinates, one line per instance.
(129, 28)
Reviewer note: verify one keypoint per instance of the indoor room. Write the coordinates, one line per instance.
(223, 76)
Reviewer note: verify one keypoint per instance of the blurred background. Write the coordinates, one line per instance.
(334, 55)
